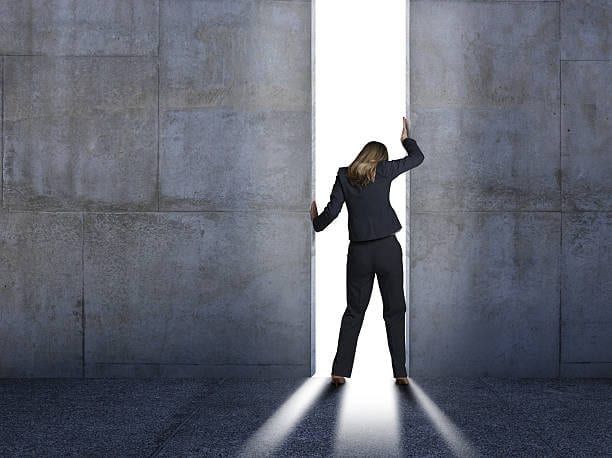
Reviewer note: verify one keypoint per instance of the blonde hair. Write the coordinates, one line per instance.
(362, 170)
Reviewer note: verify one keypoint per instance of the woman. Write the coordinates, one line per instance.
(373, 248)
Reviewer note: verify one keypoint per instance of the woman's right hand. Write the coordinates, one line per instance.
(405, 129)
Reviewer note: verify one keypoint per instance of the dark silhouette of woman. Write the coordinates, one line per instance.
(373, 248)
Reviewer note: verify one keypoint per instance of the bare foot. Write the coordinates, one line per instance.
(401, 380)
(338, 380)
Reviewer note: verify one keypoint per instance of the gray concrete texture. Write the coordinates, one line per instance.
(40, 294)
(196, 294)
(492, 300)
(511, 268)
(156, 176)
(79, 27)
(80, 133)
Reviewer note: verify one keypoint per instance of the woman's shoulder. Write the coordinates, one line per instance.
(343, 173)
(381, 167)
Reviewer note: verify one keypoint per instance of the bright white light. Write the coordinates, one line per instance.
(368, 423)
(277, 428)
(360, 95)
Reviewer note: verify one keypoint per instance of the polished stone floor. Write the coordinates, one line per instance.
(305, 417)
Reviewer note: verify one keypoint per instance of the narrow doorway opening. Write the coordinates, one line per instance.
(360, 70)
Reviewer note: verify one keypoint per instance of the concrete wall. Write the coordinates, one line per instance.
(156, 178)
(511, 212)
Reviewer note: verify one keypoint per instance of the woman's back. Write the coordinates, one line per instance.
(370, 214)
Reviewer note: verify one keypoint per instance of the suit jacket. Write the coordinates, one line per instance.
(370, 215)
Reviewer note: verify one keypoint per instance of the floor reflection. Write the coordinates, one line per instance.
(368, 423)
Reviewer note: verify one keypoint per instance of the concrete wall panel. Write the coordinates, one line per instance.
(205, 293)
(239, 54)
(480, 54)
(586, 29)
(485, 98)
(587, 135)
(486, 204)
(218, 158)
(40, 295)
(80, 133)
(486, 159)
(79, 27)
(485, 294)
(222, 292)
(587, 288)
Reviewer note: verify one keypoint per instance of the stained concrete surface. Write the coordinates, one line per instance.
(195, 293)
(485, 299)
(80, 133)
(587, 288)
(116, 113)
(235, 105)
(242, 54)
(217, 417)
(202, 106)
(587, 135)
(508, 102)
(82, 27)
(269, 151)
(484, 96)
(40, 294)
(586, 29)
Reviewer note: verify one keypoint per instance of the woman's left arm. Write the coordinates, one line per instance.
(332, 209)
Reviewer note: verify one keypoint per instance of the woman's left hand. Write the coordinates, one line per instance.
(313, 210)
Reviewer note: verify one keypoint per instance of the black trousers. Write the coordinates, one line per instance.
(382, 257)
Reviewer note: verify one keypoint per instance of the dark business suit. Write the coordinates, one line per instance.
(373, 249)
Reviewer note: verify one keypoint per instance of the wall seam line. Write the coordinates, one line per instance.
(313, 173)
(82, 294)
(84, 56)
(560, 331)
(408, 268)
(2, 133)
(158, 96)
(585, 60)
(131, 212)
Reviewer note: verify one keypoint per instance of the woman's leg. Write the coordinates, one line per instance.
(390, 274)
(359, 282)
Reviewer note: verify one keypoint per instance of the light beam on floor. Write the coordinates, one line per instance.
(368, 423)
(277, 428)
(448, 431)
